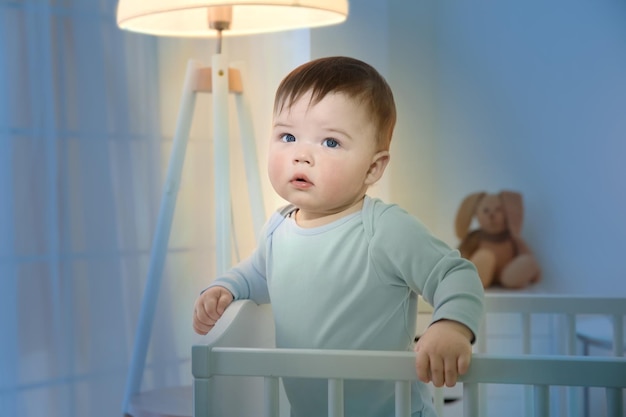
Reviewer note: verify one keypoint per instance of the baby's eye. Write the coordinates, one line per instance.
(287, 137)
(330, 142)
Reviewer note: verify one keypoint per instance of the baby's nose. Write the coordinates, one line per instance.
(303, 156)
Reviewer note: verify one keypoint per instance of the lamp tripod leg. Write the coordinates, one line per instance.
(221, 164)
(222, 197)
(161, 237)
(248, 146)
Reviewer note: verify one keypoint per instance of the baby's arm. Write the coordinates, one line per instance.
(209, 307)
(443, 353)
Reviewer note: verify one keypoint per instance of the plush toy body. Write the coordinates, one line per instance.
(501, 256)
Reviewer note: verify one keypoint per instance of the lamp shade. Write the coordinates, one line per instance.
(189, 18)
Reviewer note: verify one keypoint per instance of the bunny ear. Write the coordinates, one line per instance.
(514, 208)
(466, 212)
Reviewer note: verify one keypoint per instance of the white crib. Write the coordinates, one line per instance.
(223, 370)
(570, 316)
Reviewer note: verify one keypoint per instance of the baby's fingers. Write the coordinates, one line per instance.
(422, 366)
(463, 363)
(451, 373)
(437, 368)
(455, 367)
(429, 367)
(209, 307)
(214, 302)
(224, 300)
(200, 324)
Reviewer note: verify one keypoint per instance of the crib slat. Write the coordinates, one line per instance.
(614, 402)
(526, 349)
(271, 396)
(570, 334)
(471, 404)
(438, 400)
(618, 335)
(335, 397)
(542, 400)
(573, 394)
(481, 347)
(403, 398)
(525, 333)
(481, 342)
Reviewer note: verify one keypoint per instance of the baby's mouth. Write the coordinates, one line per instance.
(300, 180)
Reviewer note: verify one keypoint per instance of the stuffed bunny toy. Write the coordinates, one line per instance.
(496, 248)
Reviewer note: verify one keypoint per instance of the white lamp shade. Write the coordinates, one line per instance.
(190, 17)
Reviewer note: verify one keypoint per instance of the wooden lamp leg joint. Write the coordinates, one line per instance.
(204, 81)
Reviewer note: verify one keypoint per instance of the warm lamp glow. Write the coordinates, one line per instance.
(190, 17)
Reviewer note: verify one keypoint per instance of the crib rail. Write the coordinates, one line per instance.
(336, 365)
(568, 306)
(570, 310)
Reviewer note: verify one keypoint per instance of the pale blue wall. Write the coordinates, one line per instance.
(532, 96)
(526, 95)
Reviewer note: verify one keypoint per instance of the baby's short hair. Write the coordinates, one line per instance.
(349, 76)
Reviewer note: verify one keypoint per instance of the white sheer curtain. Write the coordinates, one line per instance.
(80, 175)
(87, 114)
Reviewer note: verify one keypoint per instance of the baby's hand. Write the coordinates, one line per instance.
(444, 352)
(209, 308)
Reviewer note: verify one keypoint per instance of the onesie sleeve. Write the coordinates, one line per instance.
(407, 254)
(248, 279)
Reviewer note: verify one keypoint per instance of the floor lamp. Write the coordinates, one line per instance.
(203, 18)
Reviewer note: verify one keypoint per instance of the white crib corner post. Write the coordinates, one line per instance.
(200, 361)
(201, 401)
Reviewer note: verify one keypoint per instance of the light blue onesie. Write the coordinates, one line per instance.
(353, 284)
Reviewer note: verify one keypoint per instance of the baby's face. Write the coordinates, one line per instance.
(320, 155)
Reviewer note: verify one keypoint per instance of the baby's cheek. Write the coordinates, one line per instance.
(274, 167)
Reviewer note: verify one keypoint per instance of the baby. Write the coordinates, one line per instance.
(343, 270)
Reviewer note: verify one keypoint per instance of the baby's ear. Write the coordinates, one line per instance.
(377, 167)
